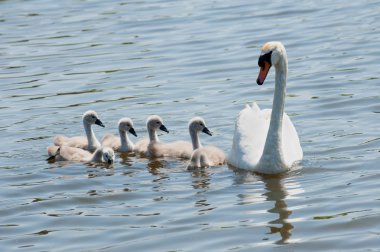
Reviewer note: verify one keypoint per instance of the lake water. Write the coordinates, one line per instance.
(181, 59)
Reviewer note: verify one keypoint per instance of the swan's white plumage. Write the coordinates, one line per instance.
(250, 135)
(263, 141)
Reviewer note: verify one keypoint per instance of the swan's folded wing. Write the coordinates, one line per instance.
(291, 146)
(249, 138)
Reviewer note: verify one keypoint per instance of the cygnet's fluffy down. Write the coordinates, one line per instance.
(203, 156)
(88, 142)
(66, 153)
(122, 143)
(154, 148)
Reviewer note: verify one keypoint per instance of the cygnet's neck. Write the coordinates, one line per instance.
(195, 139)
(93, 142)
(273, 144)
(153, 135)
(126, 143)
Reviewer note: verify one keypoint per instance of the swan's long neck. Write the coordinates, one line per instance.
(126, 144)
(273, 143)
(91, 138)
(195, 139)
(153, 135)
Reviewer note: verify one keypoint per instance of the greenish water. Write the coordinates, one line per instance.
(181, 59)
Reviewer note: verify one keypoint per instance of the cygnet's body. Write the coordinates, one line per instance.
(122, 143)
(88, 142)
(203, 156)
(67, 153)
(152, 147)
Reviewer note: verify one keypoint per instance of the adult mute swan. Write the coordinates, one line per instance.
(203, 156)
(66, 153)
(266, 141)
(122, 143)
(90, 142)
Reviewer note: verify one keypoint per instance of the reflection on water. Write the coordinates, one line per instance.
(180, 59)
(276, 193)
(200, 178)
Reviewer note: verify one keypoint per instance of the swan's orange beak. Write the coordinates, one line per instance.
(263, 73)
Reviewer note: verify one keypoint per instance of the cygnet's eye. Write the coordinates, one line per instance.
(201, 124)
(93, 117)
(157, 122)
(128, 125)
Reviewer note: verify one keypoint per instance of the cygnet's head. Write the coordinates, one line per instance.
(197, 124)
(155, 122)
(108, 155)
(272, 53)
(126, 125)
(90, 117)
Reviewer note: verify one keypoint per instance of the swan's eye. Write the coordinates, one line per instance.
(93, 117)
(265, 58)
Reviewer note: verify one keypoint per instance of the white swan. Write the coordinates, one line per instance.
(265, 140)
(90, 142)
(203, 156)
(122, 143)
(67, 153)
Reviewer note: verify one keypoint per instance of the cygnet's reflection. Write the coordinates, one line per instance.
(201, 178)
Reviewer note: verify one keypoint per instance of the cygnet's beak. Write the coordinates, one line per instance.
(207, 131)
(110, 161)
(132, 131)
(52, 158)
(163, 128)
(98, 122)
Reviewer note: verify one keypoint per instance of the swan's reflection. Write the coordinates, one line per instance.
(277, 193)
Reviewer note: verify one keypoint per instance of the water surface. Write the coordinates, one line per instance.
(181, 59)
